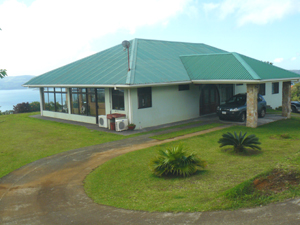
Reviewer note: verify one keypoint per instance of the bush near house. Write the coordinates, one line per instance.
(295, 92)
(26, 107)
(34, 106)
(22, 107)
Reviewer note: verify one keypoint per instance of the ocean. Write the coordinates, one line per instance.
(9, 98)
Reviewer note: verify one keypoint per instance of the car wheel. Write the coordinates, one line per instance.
(262, 113)
(294, 109)
(243, 117)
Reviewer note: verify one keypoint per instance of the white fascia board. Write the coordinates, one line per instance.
(242, 81)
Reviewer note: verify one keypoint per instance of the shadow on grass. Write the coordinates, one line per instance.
(172, 176)
(246, 152)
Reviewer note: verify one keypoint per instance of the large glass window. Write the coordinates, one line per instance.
(101, 101)
(56, 99)
(145, 97)
(86, 101)
(118, 99)
(275, 88)
(79, 101)
(91, 102)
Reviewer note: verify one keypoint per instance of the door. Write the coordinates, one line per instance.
(209, 99)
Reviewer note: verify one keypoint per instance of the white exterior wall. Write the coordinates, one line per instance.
(168, 105)
(67, 116)
(273, 100)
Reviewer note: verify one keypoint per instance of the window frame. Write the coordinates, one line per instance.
(57, 95)
(118, 99)
(183, 87)
(145, 94)
(275, 88)
(264, 89)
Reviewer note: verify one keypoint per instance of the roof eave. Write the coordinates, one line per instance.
(243, 81)
(108, 85)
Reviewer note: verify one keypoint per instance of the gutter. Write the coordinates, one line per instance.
(109, 85)
(163, 84)
(242, 81)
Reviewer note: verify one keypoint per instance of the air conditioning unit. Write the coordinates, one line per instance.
(102, 119)
(121, 124)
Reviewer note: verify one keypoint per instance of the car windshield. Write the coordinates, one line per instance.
(237, 100)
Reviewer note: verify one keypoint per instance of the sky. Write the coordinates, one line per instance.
(38, 36)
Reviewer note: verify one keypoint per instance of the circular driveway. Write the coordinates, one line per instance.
(50, 191)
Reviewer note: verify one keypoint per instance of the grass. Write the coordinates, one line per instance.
(185, 131)
(24, 139)
(165, 128)
(207, 189)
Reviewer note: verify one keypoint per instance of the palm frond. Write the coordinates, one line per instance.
(176, 161)
(239, 142)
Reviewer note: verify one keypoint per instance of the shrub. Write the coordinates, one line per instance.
(176, 161)
(239, 142)
(34, 106)
(22, 107)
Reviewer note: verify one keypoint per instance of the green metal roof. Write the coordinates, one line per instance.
(151, 62)
(231, 67)
(159, 62)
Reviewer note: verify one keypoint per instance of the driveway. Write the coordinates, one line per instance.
(50, 191)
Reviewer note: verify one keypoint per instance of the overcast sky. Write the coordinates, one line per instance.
(40, 35)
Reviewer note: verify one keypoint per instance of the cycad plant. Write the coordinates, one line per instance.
(239, 142)
(176, 161)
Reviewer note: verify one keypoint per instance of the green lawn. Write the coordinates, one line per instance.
(186, 131)
(24, 139)
(205, 190)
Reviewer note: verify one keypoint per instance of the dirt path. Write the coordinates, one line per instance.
(50, 191)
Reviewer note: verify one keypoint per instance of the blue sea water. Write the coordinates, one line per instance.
(9, 98)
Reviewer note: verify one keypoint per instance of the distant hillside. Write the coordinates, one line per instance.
(14, 82)
(296, 71)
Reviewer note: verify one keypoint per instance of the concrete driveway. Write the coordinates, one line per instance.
(50, 191)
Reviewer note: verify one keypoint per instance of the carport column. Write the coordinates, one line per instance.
(286, 99)
(252, 91)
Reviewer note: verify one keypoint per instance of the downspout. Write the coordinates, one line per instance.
(130, 76)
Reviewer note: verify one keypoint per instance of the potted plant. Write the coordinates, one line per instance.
(131, 126)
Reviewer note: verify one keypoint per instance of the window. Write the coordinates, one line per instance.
(79, 101)
(86, 101)
(118, 99)
(275, 88)
(56, 99)
(262, 89)
(183, 87)
(145, 97)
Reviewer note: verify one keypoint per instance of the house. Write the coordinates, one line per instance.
(157, 82)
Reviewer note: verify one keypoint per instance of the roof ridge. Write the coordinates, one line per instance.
(246, 66)
(131, 72)
(145, 39)
(222, 53)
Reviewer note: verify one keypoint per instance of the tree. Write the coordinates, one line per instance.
(295, 92)
(2, 73)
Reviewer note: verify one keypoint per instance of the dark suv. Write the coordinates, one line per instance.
(236, 107)
(295, 106)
